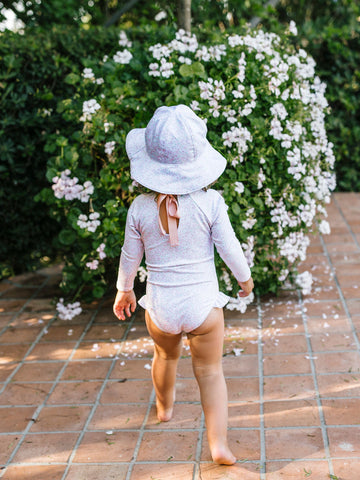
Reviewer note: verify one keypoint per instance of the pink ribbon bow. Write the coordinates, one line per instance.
(172, 213)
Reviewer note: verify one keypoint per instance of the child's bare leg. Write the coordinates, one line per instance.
(166, 357)
(206, 343)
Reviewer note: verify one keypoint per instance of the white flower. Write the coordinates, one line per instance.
(304, 281)
(88, 73)
(238, 92)
(324, 227)
(99, 81)
(91, 223)
(250, 220)
(185, 60)
(142, 273)
(239, 187)
(89, 108)
(261, 179)
(226, 279)
(160, 16)
(124, 41)
(154, 70)
(123, 57)
(69, 188)
(194, 105)
(279, 110)
(69, 311)
(93, 265)
(166, 68)
(107, 126)
(292, 27)
(101, 251)
(160, 51)
(240, 303)
(109, 147)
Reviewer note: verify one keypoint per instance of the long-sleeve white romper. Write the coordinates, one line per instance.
(182, 285)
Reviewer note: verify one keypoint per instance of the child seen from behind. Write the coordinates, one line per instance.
(177, 227)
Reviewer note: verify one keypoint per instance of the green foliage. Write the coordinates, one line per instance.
(32, 70)
(283, 188)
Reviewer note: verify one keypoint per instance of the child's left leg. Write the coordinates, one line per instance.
(166, 357)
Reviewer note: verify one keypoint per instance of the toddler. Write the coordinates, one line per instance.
(177, 227)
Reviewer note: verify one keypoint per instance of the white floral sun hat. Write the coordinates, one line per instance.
(172, 155)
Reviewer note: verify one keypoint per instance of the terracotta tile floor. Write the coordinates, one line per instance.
(76, 398)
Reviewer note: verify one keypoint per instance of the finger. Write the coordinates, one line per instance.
(127, 310)
(119, 312)
(133, 306)
(243, 294)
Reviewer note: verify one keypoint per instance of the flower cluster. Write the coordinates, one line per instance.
(69, 311)
(89, 223)
(122, 56)
(89, 108)
(69, 188)
(89, 74)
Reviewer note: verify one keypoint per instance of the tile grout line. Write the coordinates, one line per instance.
(95, 404)
(317, 393)
(201, 429)
(55, 383)
(141, 434)
(16, 314)
(261, 393)
(32, 344)
(346, 222)
(342, 298)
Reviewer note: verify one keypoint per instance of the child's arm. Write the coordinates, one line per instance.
(230, 250)
(130, 259)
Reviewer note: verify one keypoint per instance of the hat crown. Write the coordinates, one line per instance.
(175, 135)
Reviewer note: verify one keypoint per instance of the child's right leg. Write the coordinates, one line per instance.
(206, 343)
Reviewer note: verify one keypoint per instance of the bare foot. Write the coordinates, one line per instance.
(222, 455)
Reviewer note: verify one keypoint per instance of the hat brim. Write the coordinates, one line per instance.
(177, 179)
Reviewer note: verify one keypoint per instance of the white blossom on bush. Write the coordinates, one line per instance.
(88, 73)
(69, 311)
(142, 274)
(89, 108)
(69, 188)
(239, 187)
(93, 265)
(89, 223)
(123, 57)
(101, 251)
(109, 147)
(124, 41)
(293, 28)
(160, 16)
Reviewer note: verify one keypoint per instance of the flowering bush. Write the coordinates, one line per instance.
(264, 107)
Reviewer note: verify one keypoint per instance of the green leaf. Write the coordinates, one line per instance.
(72, 78)
(236, 208)
(67, 236)
(195, 69)
(98, 291)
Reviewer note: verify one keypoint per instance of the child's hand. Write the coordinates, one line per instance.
(125, 302)
(247, 287)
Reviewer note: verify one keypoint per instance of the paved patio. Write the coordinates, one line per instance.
(76, 398)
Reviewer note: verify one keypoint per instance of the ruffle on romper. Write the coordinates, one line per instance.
(220, 301)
